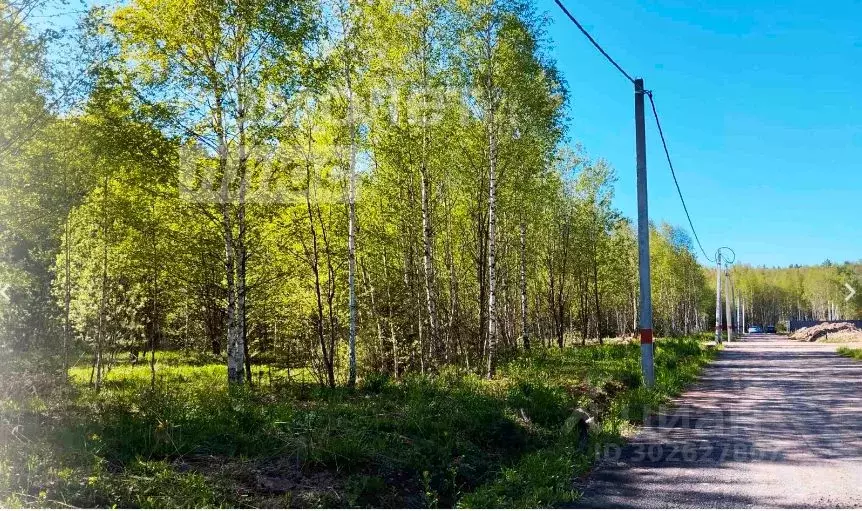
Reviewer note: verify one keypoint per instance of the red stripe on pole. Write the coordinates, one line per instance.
(646, 335)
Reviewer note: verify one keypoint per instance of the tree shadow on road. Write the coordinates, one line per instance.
(754, 406)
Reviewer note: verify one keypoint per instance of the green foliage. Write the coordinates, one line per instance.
(453, 439)
(850, 352)
(544, 478)
(542, 403)
(540, 479)
(118, 235)
(191, 208)
(375, 383)
(776, 295)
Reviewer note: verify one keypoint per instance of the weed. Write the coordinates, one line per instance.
(449, 440)
(856, 353)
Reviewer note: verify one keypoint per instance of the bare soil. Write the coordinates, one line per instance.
(832, 332)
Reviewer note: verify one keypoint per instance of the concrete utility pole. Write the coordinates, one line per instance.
(728, 298)
(647, 367)
(718, 297)
(743, 316)
(738, 324)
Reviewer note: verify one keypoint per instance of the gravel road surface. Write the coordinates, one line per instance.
(771, 423)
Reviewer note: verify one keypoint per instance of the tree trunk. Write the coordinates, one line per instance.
(427, 229)
(451, 332)
(492, 235)
(482, 279)
(100, 333)
(596, 295)
(234, 350)
(374, 312)
(67, 299)
(155, 310)
(351, 234)
(242, 247)
(314, 261)
(525, 332)
(389, 316)
(428, 261)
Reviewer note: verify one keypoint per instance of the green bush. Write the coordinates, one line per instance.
(544, 405)
(850, 352)
(375, 383)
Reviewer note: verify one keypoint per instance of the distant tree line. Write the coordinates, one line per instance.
(816, 292)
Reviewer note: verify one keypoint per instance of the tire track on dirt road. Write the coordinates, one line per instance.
(771, 423)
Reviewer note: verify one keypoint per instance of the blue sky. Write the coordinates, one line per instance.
(760, 103)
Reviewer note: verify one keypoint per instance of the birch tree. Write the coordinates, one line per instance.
(221, 66)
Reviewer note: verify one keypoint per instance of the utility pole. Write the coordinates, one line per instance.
(738, 324)
(647, 367)
(727, 295)
(743, 316)
(718, 297)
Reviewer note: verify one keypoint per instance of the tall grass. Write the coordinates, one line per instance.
(448, 440)
(856, 353)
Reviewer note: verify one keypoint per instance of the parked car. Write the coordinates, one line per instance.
(770, 329)
(754, 329)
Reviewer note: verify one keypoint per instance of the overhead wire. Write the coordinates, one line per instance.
(726, 262)
(673, 174)
(598, 47)
(657, 122)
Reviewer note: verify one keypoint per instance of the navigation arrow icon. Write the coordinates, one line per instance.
(852, 292)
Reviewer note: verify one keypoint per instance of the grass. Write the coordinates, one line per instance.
(850, 352)
(444, 441)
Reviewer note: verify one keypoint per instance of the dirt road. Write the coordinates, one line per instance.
(772, 423)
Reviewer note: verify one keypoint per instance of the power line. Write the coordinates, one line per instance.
(673, 173)
(584, 31)
(718, 252)
(657, 122)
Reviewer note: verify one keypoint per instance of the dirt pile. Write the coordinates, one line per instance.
(831, 331)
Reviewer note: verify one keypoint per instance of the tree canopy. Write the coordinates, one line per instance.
(346, 187)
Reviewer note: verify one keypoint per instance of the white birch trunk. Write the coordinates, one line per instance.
(351, 232)
(234, 350)
(427, 230)
(492, 233)
(241, 249)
